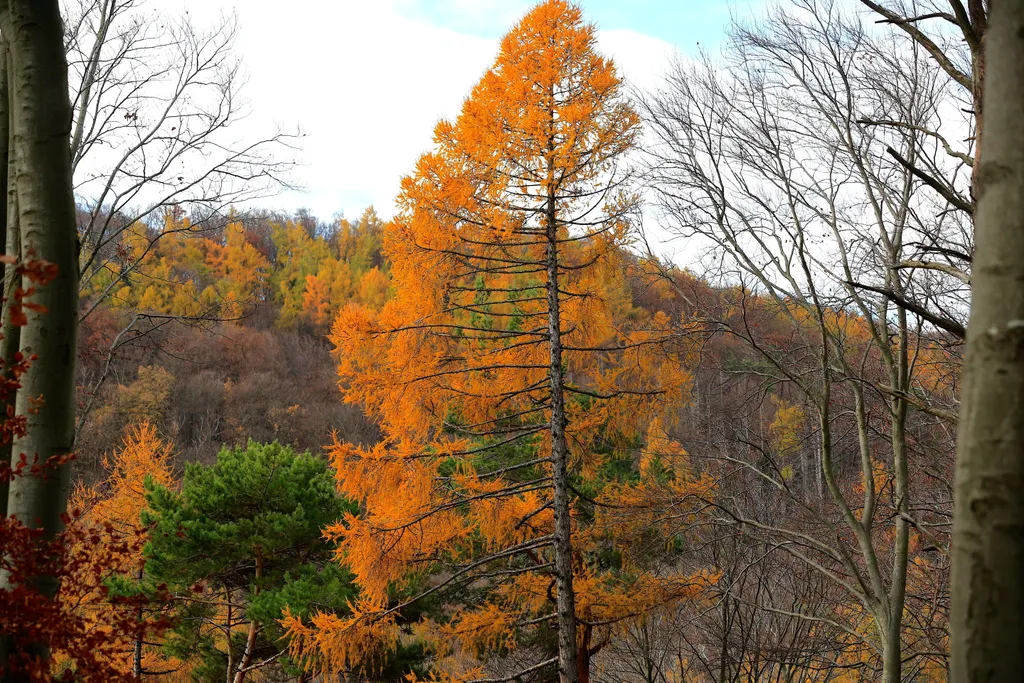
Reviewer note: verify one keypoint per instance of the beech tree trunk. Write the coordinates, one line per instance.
(40, 125)
(987, 619)
(5, 133)
(11, 342)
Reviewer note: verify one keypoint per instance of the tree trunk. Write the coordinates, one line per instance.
(137, 646)
(566, 602)
(723, 661)
(987, 619)
(40, 125)
(979, 22)
(8, 269)
(246, 660)
(250, 638)
(137, 655)
(11, 342)
(227, 629)
(891, 653)
(583, 655)
(89, 79)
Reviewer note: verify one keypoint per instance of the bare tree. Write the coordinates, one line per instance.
(776, 160)
(156, 109)
(952, 36)
(158, 126)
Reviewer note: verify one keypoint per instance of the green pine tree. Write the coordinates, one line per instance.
(241, 541)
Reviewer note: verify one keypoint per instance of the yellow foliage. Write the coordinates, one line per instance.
(179, 272)
(660, 448)
(785, 427)
(400, 527)
(298, 256)
(120, 499)
(326, 291)
(373, 290)
(488, 628)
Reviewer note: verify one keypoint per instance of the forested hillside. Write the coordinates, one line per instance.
(494, 433)
(217, 334)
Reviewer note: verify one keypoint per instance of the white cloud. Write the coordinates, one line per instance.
(641, 59)
(367, 82)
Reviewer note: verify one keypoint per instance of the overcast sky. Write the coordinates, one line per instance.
(367, 80)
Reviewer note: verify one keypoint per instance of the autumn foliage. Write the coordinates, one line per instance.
(509, 252)
(556, 456)
(194, 272)
(87, 624)
(108, 519)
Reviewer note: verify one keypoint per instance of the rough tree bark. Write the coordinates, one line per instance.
(566, 602)
(987, 621)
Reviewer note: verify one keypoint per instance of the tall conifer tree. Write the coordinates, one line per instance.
(504, 364)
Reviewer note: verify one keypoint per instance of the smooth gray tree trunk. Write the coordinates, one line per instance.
(40, 125)
(11, 342)
(7, 270)
(987, 620)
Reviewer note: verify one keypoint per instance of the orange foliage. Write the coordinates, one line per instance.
(110, 517)
(456, 366)
(330, 644)
(84, 625)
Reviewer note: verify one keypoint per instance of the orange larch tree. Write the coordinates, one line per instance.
(110, 517)
(356, 272)
(507, 370)
(326, 292)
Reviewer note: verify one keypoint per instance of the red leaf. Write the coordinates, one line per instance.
(18, 318)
